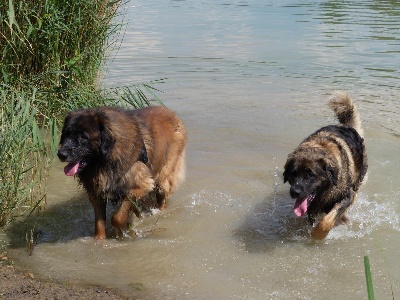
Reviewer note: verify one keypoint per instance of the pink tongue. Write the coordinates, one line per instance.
(71, 169)
(300, 207)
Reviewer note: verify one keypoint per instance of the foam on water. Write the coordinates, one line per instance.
(216, 200)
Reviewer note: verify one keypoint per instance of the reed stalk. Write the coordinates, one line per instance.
(370, 287)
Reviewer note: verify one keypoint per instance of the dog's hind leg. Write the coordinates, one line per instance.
(342, 220)
(334, 217)
(161, 199)
(169, 179)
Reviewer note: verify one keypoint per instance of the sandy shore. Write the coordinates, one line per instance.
(20, 284)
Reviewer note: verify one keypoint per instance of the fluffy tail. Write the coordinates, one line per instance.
(346, 111)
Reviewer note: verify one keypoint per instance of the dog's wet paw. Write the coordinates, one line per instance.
(320, 232)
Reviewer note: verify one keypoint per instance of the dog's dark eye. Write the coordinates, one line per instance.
(309, 175)
(83, 137)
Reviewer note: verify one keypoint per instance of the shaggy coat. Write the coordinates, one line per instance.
(326, 170)
(124, 156)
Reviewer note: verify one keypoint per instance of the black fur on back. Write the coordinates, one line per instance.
(356, 144)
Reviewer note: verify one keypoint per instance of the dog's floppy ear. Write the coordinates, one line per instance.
(288, 168)
(107, 139)
(332, 173)
(67, 120)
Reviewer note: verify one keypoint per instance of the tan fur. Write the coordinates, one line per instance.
(117, 140)
(337, 158)
(341, 103)
(333, 151)
(142, 179)
(333, 218)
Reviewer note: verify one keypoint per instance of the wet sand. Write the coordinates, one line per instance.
(21, 284)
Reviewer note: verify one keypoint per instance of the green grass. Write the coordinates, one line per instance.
(51, 57)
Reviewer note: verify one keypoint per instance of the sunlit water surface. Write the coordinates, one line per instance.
(250, 79)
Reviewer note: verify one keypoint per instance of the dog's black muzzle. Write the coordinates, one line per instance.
(296, 190)
(63, 154)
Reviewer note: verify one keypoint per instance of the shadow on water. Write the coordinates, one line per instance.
(60, 223)
(271, 224)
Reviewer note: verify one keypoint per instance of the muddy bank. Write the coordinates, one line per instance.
(21, 284)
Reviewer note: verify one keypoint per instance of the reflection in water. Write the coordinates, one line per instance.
(250, 79)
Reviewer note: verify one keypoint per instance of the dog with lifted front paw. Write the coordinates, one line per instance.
(123, 156)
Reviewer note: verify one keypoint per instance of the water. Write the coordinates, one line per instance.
(250, 79)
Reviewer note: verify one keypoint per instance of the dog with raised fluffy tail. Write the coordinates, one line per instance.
(326, 170)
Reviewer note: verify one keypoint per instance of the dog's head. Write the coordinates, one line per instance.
(308, 175)
(85, 139)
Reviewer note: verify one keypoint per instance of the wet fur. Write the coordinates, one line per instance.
(130, 156)
(331, 163)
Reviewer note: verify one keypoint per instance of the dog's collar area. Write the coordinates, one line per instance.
(143, 155)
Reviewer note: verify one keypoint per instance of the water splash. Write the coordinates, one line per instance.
(217, 200)
(366, 216)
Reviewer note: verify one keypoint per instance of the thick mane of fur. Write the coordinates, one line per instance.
(128, 138)
(123, 143)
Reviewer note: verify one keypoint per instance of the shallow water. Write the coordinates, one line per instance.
(250, 79)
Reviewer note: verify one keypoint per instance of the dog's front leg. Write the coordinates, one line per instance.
(121, 216)
(142, 185)
(322, 229)
(99, 218)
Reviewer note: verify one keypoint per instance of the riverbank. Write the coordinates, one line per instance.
(21, 284)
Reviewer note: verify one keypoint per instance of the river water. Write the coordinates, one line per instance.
(250, 79)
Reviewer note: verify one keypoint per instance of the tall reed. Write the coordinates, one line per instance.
(57, 47)
(368, 277)
(51, 57)
(23, 154)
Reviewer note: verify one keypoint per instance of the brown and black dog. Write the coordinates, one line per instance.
(123, 156)
(326, 170)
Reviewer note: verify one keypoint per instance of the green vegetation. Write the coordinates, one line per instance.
(57, 47)
(370, 287)
(51, 56)
(24, 155)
